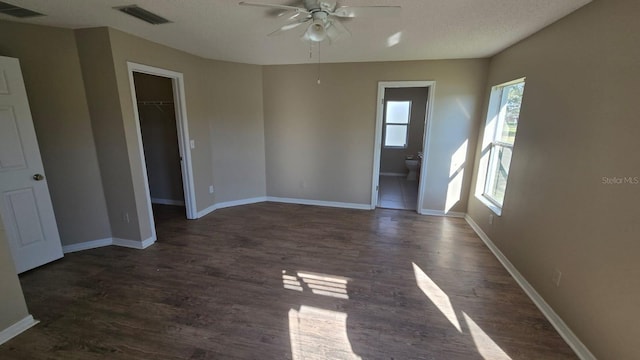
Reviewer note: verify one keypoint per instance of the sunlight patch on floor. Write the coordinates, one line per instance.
(291, 282)
(485, 345)
(319, 334)
(317, 283)
(438, 297)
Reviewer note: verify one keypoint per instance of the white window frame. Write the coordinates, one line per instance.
(490, 145)
(386, 123)
(489, 180)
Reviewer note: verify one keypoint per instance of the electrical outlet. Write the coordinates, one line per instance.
(192, 143)
(490, 219)
(210, 189)
(557, 275)
(125, 217)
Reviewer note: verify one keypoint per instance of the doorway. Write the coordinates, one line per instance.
(401, 144)
(158, 99)
(156, 113)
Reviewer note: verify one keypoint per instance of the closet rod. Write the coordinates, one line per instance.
(155, 102)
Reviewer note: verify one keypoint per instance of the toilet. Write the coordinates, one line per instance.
(413, 165)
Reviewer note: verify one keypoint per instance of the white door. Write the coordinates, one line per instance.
(25, 204)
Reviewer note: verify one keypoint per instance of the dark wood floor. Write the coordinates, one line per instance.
(280, 281)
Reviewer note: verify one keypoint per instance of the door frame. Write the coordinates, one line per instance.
(177, 80)
(377, 149)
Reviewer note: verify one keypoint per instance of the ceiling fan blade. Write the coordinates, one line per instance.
(329, 7)
(366, 11)
(289, 26)
(336, 30)
(296, 15)
(275, 6)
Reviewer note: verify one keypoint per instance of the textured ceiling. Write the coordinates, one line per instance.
(223, 30)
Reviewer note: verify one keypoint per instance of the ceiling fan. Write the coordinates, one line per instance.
(322, 17)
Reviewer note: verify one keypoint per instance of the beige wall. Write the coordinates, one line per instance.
(391, 159)
(61, 119)
(13, 307)
(319, 138)
(159, 137)
(224, 109)
(224, 106)
(236, 130)
(578, 124)
(111, 147)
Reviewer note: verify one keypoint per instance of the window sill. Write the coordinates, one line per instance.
(493, 207)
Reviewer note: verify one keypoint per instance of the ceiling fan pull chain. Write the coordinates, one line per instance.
(318, 63)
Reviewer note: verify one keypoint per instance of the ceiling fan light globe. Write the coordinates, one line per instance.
(316, 32)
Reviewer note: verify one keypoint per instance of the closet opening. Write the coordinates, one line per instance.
(158, 127)
(163, 138)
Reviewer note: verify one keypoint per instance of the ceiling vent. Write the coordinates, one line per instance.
(142, 14)
(17, 11)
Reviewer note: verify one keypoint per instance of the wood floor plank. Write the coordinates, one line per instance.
(283, 281)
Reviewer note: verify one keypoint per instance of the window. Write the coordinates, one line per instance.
(396, 124)
(500, 134)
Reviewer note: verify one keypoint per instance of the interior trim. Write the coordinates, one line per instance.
(431, 212)
(335, 204)
(563, 329)
(93, 244)
(18, 328)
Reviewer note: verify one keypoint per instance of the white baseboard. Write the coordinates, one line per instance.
(167, 202)
(282, 200)
(206, 211)
(336, 204)
(572, 340)
(148, 242)
(227, 204)
(87, 245)
(140, 245)
(18, 328)
(134, 244)
(320, 203)
(248, 201)
(441, 213)
(394, 174)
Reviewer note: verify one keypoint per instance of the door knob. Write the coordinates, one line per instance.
(38, 177)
